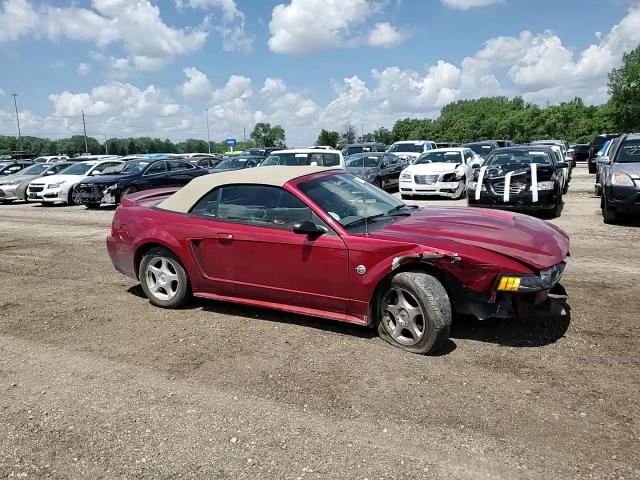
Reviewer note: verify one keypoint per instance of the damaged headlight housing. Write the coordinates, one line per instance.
(530, 283)
(474, 185)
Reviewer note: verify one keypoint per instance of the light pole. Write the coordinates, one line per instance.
(15, 104)
(206, 114)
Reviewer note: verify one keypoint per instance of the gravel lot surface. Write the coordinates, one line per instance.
(97, 383)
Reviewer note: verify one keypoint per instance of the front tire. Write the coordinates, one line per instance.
(163, 278)
(414, 313)
(74, 196)
(609, 215)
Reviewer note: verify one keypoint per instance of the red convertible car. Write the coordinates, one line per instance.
(322, 242)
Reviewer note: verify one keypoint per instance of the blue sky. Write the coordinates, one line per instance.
(141, 67)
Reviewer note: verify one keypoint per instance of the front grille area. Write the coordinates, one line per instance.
(36, 188)
(425, 179)
(514, 189)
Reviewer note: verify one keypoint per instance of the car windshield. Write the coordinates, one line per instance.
(629, 152)
(524, 157)
(77, 169)
(349, 200)
(231, 164)
(363, 160)
(135, 167)
(439, 157)
(480, 149)
(406, 147)
(291, 159)
(35, 169)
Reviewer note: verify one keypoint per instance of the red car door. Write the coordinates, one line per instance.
(249, 251)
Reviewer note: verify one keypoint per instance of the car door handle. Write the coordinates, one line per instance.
(225, 236)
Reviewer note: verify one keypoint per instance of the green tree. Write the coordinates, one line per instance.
(383, 135)
(265, 135)
(624, 87)
(328, 138)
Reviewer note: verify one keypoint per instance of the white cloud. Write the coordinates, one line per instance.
(386, 35)
(467, 4)
(148, 42)
(83, 69)
(231, 28)
(304, 26)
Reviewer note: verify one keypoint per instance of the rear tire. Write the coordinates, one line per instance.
(413, 312)
(557, 210)
(163, 278)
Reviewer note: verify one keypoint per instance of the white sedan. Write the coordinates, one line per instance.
(61, 188)
(443, 172)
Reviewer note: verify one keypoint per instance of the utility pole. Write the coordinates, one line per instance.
(84, 125)
(206, 114)
(15, 104)
(244, 133)
(106, 147)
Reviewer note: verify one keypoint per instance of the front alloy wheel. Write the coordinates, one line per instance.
(75, 198)
(414, 312)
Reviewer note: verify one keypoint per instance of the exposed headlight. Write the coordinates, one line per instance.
(56, 185)
(531, 283)
(474, 186)
(405, 176)
(622, 180)
(111, 188)
(549, 185)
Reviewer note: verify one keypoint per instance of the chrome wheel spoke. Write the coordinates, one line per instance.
(403, 316)
(162, 278)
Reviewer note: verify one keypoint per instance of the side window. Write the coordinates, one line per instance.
(331, 160)
(155, 168)
(261, 205)
(176, 166)
(207, 206)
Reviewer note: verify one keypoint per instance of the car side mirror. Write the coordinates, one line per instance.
(561, 165)
(307, 227)
(604, 160)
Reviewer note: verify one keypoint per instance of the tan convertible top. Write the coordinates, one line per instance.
(186, 197)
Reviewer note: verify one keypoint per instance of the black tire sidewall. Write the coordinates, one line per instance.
(438, 316)
(184, 289)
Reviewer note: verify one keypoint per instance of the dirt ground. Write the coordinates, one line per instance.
(97, 383)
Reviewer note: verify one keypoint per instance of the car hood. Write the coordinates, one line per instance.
(107, 179)
(629, 168)
(464, 230)
(60, 178)
(22, 178)
(427, 168)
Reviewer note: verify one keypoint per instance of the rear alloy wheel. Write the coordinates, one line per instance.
(414, 313)
(74, 196)
(164, 279)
